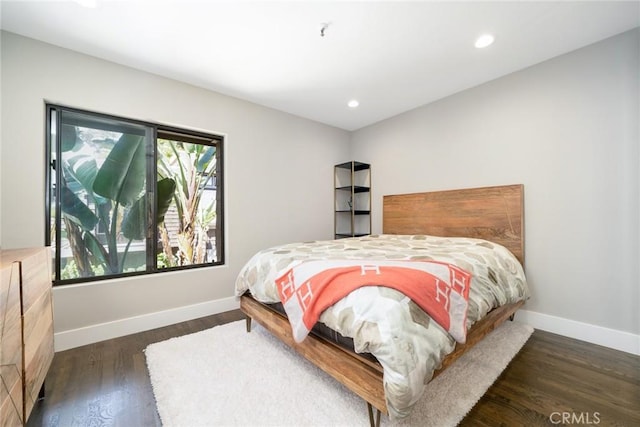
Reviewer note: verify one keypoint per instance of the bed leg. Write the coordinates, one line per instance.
(248, 322)
(372, 422)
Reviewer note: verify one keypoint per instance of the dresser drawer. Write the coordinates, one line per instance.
(26, 324)
(11, 399)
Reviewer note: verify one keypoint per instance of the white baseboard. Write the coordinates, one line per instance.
(65, 340)
(618, 340)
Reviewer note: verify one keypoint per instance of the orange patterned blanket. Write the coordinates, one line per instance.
(439, 288)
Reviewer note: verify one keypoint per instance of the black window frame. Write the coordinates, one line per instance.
(157, 130)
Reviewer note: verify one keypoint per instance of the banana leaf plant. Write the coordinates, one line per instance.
(190, 166)
(116, 201)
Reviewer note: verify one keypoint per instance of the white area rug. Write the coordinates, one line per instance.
(225, 376)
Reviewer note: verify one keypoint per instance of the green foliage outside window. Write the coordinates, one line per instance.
(100, 174)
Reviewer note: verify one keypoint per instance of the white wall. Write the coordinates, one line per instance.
(278, 176)
(568, 130)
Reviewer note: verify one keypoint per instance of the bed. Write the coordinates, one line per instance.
(419, 220)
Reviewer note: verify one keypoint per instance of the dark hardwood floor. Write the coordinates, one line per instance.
(556, 380)
(552, 381)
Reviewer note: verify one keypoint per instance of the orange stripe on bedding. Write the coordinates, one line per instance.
(308, 289)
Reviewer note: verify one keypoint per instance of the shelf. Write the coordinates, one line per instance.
(356, 212)
(352, 199)
(357, 166)
(356, 188)
(344, 236)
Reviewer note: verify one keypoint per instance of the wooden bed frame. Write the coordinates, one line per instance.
(491, 213)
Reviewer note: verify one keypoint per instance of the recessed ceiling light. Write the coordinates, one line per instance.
(353, 103)
(484, 41)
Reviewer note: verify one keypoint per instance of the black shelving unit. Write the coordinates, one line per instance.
(352, 199)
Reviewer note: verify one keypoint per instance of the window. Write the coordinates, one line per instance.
(127, 197)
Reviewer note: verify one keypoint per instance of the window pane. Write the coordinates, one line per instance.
(187, 232)
(111, 184)
(103, 197)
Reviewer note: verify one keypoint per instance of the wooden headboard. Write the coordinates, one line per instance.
(491, 213)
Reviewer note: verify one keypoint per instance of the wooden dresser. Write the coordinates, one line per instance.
(26, 331)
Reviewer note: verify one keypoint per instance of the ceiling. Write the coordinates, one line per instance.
(390, 56)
